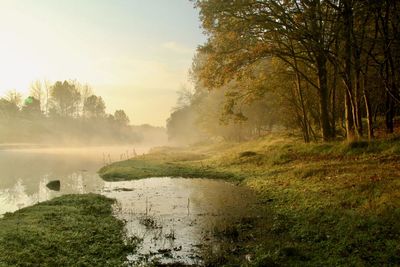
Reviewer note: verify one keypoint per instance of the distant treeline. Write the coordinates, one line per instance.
(326, 69)
(64, 113)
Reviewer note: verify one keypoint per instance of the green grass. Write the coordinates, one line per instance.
(72, 230)
(321, 204)
(161, 165)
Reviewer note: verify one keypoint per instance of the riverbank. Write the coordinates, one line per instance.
(71, 230)
(324, 204)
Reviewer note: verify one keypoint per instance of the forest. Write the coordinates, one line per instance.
(328, 70)
(65, 113)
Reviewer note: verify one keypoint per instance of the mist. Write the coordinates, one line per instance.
(67, 113)
(199, 133)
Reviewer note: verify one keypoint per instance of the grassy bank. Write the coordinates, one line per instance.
(166, 162)
(72, 230)
(323, 204)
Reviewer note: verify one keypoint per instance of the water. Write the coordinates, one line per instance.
(25, 171)
(175, 218)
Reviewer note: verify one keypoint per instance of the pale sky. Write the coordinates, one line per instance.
(134, 53)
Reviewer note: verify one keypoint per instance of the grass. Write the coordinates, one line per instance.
(162, 164)
(321, 204)
(72, 230)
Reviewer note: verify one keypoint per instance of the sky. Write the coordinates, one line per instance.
(134, 53)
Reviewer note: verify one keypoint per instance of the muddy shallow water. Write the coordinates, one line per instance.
(175, 219)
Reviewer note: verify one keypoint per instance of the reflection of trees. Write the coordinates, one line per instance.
(15, 197)
(218, 198)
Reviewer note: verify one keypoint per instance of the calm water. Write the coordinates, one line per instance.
(177, 218)
(174, 218)
(24, 172)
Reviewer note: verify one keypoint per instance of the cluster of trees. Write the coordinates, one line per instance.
(63, 112)
(201, 114)
(328, 68)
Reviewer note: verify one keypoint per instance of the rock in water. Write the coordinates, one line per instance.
(54, 185)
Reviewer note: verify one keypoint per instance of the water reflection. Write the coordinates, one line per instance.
(24, 173)
(176, 217)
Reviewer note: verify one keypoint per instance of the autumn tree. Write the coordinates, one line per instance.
(243, 34)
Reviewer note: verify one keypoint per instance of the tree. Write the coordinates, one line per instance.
(65, 99)
(181, 126)
(14, 97)
(8, 109)
(32, 107)
(94, 107)
(37, 91)
(243, 34)
(121, 118)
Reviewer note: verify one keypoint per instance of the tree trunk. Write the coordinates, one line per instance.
(306, 132)
(368, 108)
(323, 94)
(389, 114)
(333, 100)
(357, 101)
(348, 71)
(350, 130)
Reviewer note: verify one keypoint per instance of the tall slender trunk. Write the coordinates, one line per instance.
(370, 127)
(368, 108)
(389, 114)
(387, 79)
(333, 100)
(357, 101)
(323, 94)
(306, 132)
(349, 118)
(348, 71)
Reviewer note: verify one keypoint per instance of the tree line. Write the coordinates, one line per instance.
(63, 112)
(327, 68)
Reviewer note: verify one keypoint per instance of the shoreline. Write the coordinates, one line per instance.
(320, 204)
(325, 202)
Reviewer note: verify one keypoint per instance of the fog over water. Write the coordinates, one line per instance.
(26, 171)
(170, 215)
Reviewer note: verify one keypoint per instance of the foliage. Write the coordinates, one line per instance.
(7, 109)
(63, 113)
(121, 118)
(65, 99)
(94, 107)
(317, 61)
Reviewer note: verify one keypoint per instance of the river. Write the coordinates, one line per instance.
(175, 219)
